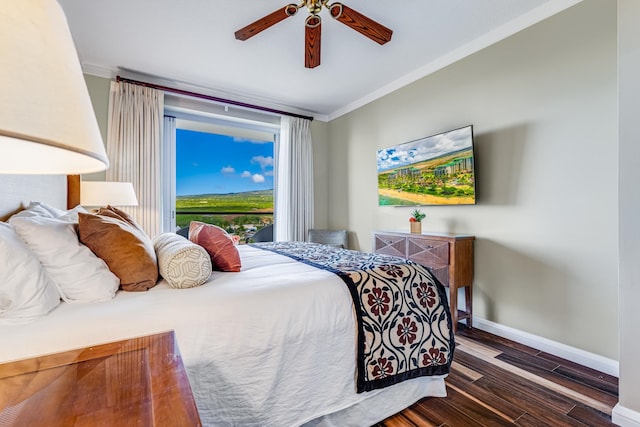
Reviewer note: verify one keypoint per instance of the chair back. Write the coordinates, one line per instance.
(337, 238)
(265, 234)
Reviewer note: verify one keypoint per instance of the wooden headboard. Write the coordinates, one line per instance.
(73, 191)
(17, 191)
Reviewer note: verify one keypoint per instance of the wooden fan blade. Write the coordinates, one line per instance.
(266, 22)
(365, 26)
(312, 32)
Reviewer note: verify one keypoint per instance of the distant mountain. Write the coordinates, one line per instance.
(242, 193)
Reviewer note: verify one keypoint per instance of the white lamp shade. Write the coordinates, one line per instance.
(103, 193)
(47, 122)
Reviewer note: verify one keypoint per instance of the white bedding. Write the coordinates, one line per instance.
(261, 347)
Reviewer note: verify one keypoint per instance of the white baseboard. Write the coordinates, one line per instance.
(591, 360)
(625, 417)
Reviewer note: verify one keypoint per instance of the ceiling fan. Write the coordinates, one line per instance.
(353, 19)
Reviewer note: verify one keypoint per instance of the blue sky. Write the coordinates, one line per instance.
(219, 164)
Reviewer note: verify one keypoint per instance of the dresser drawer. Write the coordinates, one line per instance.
(431, 253)
(390, 245)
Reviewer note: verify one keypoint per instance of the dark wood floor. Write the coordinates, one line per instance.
(496, 382)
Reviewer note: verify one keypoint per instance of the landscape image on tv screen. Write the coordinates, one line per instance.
(436, 170)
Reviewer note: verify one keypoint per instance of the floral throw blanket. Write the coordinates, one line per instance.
(404, 323)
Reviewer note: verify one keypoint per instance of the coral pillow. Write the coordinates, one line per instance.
(126, 250)
(218, 244)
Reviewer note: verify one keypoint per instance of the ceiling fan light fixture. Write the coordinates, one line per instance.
(313, 24)
(314, 6)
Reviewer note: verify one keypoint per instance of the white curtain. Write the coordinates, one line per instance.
(134, 148)
(294, 181)
(169, 175)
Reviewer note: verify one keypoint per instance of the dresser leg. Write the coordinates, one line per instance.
(453, 306)
(468, 301)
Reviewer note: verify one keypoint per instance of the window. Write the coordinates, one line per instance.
(219, 166)
(224, 180)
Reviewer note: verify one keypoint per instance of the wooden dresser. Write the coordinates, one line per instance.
(134, 382)
(448, 256)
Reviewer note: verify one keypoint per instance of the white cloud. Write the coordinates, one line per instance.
(257, 178)
(246, 174)
(264, 162)
(250, 141)
(228, 170)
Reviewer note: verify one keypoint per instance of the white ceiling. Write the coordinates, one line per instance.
(190, 43)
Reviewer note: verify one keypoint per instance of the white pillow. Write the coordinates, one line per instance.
(38, 209)
(48, 211)
(79, 274)
(72, 214)
(182, 263)
(55, 212)
(26, 292)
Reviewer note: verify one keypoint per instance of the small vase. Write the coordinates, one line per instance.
(416, 227)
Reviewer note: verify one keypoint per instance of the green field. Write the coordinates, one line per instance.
(238, 213)
(251, 201)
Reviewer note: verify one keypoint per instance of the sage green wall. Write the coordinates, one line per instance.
(99, 91)
(320, 137)
(544, 107)
(629, 176)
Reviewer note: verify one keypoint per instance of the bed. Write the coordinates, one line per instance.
(258, 351)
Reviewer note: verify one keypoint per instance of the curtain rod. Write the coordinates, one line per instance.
(211, 98)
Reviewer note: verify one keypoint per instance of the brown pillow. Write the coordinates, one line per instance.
(112, 212)
(126, 250)
(218, 244)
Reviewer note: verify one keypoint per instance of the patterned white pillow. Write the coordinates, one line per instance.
(183, 264)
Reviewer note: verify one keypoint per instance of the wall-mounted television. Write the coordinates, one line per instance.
(435, 170)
